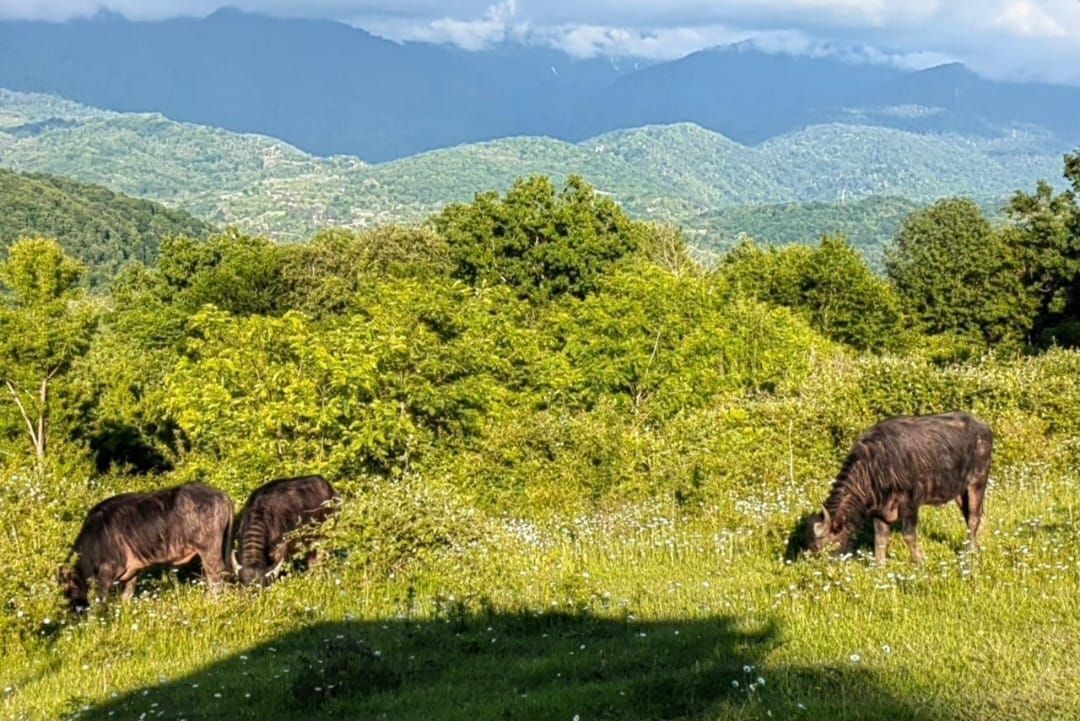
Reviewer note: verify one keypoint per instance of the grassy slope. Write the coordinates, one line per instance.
(670, 173)
(632, 615)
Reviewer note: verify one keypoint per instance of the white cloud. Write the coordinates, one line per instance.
(586, 41)
(499, 23)
(1006, 38)
(1028, 19)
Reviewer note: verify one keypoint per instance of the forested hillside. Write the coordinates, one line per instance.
(572, 463)
(676, 173)
(102, 229)
(870, 224)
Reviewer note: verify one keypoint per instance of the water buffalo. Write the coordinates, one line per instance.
(126, 534)
(271, 514)
(901, 464)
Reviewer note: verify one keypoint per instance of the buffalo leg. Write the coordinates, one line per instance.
(105, 576)
(909, 521)
(974, 513)
(881, 540)
(127, 587)
(213, 567)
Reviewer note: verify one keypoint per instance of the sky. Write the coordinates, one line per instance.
(1013, 39)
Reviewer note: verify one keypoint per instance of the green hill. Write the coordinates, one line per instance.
(676, 173)
(101, 228)
(869, 224)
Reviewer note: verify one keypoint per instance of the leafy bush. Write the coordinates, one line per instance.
(955, 273)
(830, 285)
(542, 243)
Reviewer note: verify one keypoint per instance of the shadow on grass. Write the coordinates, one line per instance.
(501, 666)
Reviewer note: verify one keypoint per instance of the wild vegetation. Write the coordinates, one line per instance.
(101, 229)
(666, 173)
(571, 460)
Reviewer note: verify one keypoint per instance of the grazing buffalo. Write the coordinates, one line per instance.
(126, 534)
(899, 465)
(268, 518)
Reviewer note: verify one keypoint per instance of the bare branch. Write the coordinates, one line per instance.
(22, 410)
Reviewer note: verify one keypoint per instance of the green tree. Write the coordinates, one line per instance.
(233, 271)
(324, 275)
(1047, 236)
(657, 343)
(956, 274)
(542, 242)
(830, 285)
(45, 324)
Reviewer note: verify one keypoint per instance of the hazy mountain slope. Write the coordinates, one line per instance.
(826, 162)
(737, 90)
(99, 227)
(672, 173)
(955, 99)
(323, 86)
(330, 88)
(692, 161)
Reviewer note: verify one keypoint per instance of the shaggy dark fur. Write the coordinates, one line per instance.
(270, 515)
(126, 534)
(899, 465)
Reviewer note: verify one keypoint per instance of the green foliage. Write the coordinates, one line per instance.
(1047, 237)
(957, 274)
(662, 173)
(658, 342)
(369, 392)
(831, 285)
(869, 224)
(44, 326)
(542, 243)
(102, 229)
(235, 272)
(324, 275)
(538, 471)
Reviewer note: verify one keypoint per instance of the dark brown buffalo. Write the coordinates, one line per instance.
(126, 534)
(899, 465)
(269, 518)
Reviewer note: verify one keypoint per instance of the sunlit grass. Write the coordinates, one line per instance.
(638, 613)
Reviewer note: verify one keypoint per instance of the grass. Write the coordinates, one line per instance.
(636, 614)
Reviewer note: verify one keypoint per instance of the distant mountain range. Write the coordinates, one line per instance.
(676, 173)
(328, 88)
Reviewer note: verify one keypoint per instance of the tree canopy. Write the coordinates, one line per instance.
(955, 273)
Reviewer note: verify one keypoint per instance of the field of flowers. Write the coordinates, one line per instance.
(641, 612)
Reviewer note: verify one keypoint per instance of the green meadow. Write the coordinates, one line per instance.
(572, 462)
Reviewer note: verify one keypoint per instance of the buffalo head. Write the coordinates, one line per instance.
(819, 534)
(74, 587)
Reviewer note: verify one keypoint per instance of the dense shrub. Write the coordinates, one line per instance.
(830, 285)
(955, 273)
(541, 242)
